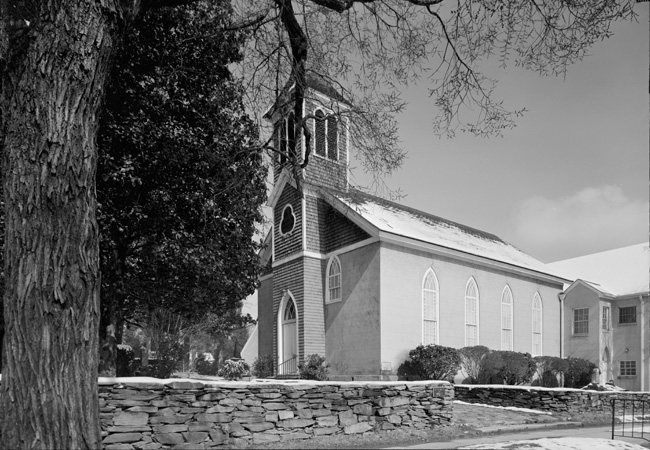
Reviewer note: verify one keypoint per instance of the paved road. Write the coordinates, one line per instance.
(603, 432)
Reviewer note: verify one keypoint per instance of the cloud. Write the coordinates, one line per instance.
(592, 220)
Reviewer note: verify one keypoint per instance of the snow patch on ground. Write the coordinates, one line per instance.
(560, 444)
(509, 408)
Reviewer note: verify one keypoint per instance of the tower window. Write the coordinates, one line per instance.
(288, 220)
(320, 133)
(332, 139)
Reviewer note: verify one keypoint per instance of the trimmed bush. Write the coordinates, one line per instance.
(506, 367)
(263, 366)
(431, 362)
(314, 368)
(205, 367)
(234, 369)
(471, 361)
(548, 370)
(578, 373)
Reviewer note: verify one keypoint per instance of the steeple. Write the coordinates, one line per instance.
(325, 111)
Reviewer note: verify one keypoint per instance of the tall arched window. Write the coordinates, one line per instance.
(283, 141)
(537, 325)
(332, 138)
(471, 313)
(506, 319)
(430, 302)
(333, 292)
(291, 135)
(320, 138)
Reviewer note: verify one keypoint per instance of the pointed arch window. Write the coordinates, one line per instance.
(320, 126)
(537, 325)
(283, 142)
(333, 292)
(291, 135)
(471, 313)
(506, 319)
(430, 308)
(289, 312)
(332, 138)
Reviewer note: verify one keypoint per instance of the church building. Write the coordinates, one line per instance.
(362, 280)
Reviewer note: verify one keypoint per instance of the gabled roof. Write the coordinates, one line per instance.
(392, 218)
(619, 272)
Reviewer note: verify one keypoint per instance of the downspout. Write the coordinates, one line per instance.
(644, 384)
(560, 296)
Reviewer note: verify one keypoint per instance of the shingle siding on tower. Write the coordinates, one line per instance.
(328, 229)
(290, 243)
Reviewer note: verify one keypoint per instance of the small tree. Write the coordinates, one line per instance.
(431, 362)
(263, 366)
(471, 359)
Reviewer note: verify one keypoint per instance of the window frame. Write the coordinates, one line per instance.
(326, 120)
(507, 344)
(575, 322)
(430, 274)
(475, 326)
(629, 371)
(293, 215)
(606, 321)
(537, 304)
(334, 261)
(633, 320)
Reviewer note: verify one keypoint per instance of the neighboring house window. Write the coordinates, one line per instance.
(627, 368)
(333, 281)
(537, 325)
(506, 319)
(471, 313)
(627, 314)
(581, 321)
(605, 324)
(430, 308)
(319, 126)
(288, 220)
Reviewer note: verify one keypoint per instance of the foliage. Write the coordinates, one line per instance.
(314, 367)
(205, 367)
(548, 370)
(180, 177)
(431, 362)
(125, 366)
(263, 366)
(507, 367)
(471, 359)
(234, 369)
(578, 373)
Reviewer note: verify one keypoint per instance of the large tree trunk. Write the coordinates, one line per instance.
(52, 93)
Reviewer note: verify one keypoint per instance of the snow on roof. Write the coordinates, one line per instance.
(622, 271)
(400, 220)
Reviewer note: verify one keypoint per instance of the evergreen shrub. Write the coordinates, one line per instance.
(578, 373)
(430, 362)
(314, 368)
(263, 367)
(234, 369)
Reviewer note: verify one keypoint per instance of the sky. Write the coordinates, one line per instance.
(570, 179)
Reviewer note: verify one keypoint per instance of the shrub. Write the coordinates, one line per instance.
(471, 360)
(263, 367)
(205, 367)
(313, 368)
(125, 361)
(234, 369)
(431, 362)
(506, 367)
(578, 373)
(548, 369)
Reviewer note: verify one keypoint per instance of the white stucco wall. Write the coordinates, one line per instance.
(402, 271)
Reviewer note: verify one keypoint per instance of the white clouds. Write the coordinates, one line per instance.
(589, 221)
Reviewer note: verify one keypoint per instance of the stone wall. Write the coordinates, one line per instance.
(545, 399)
(139, 413)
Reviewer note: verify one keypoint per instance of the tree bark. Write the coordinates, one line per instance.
(53, 87)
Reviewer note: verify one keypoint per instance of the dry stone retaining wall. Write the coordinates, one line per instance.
(545, 399)
(190, 414)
